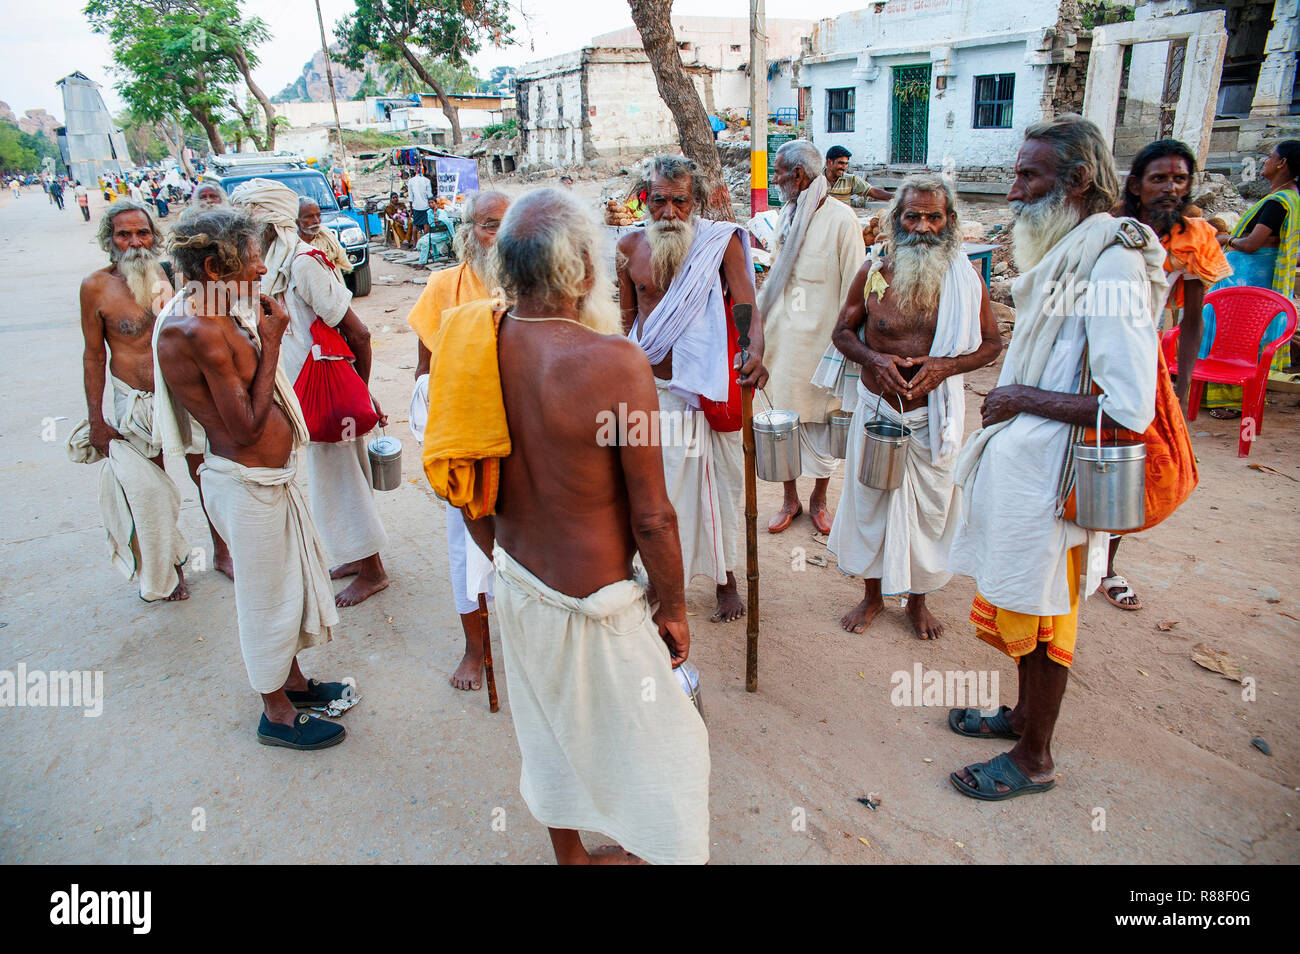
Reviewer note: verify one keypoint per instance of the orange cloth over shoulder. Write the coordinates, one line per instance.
(1195, 250)
(446, 289)
(466, 435)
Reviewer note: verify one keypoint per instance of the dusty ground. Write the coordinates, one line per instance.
(1160, 744)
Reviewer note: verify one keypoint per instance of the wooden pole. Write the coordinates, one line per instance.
(757, 107)
(742, 314)
(493, 705)
(329, 78)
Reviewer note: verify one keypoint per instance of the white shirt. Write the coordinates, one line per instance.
(312, 292)
(420, 190)
(1011, 540)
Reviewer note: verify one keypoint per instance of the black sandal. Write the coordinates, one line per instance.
(969, 722)
(988, 774)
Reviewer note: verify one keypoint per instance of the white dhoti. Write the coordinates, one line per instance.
(705, 481)
(343, 501)
(815, 450)
(609, 742)
(283, 596)
(900, 537)
(138, 501)
(471, 571)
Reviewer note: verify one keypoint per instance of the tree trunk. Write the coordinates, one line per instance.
(178, 144)
(694, 134)
(247, 119)
(210, 129)
(268, 108)
(448, 110)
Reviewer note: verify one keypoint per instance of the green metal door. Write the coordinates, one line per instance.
(910, 129)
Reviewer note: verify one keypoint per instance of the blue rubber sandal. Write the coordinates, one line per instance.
(988, 774)
(316, 694)
(970, 721)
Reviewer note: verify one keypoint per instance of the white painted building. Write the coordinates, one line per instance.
(934, 82)
(602, 100)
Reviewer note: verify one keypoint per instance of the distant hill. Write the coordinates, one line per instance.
(311, 86)
(34, 121)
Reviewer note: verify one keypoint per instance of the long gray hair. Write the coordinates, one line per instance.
(105, 231)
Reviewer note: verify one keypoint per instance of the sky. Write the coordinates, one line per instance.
(44, 41)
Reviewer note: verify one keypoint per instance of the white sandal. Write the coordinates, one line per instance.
(1115, 582)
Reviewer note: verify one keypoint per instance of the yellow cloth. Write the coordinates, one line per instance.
(876, 285)
(466, 438)
(1194, 250)
(446, 289)
(328, 243)
(1018, 634)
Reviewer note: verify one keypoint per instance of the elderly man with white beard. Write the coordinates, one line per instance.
(916, 322)
(317, 236)
(819, 250)
(1089, 288)
(139, 501)
(678, 279)
(338, 473)
(450, 288)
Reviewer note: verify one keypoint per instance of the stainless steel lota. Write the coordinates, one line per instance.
(1110, 483)
(884, 451)
(385, 462)
(688, 677)
(777, 455)
(838, 422)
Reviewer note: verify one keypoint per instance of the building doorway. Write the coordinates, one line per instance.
(910, 129)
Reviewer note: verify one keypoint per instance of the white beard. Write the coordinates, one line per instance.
(598, 311)
(1040, 225)
(478, 258)
(143, 273)
(670, 242)
(919, 271)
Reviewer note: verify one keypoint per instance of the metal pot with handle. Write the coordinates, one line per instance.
(839, 423)
(385, 462)
(1110, 483)
(884, 451)
(777, 454)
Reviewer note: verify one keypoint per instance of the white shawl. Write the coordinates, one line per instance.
(791, 231)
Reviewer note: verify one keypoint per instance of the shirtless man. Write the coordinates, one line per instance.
(926, 292)
(215, 370)
(570, 515)
(118, 307)
(707, 488)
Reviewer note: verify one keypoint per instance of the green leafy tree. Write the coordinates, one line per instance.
(15, 154)
(414, 31)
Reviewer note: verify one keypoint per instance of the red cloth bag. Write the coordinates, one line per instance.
(335, 401)
(725, 416)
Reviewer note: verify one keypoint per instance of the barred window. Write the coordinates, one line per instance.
(993, 96)
(839, 110)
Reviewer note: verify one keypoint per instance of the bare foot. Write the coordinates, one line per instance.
(784, 516)
(859, 618)
(223, 564)
(346, 569)
(612, 855)
(182, 592)
(730, 605)
(360, 590)
(469, 674)
(926, 626)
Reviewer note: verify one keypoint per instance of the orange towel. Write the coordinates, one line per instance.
(1018, 634)
(446, 289)
(1195, 251)
(466, 435)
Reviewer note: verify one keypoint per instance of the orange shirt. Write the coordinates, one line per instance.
(1194, 251)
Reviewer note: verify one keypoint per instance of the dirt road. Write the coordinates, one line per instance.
(1154, 752)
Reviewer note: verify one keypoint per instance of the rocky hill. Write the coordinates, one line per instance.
(34, 121)
(312, 87)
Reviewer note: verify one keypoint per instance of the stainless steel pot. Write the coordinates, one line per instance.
(777, 455)
(838, 422)
(385, 462)
(1110, 483)
(884, 451)
(688, 677)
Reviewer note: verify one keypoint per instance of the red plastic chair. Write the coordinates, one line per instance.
(1241, 315)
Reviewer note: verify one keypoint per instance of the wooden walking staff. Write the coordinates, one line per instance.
(493, 705)
(742, 314)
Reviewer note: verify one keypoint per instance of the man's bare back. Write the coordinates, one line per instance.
(563, 508)
(216, 372)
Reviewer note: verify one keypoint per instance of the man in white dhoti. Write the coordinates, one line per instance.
(1089, 288)
(915, 323)
(338, 474)
(140, 505)
(317, 236)
(216, 346)
(819, 251)
(609, 741)
(678, 280)
(471, 570)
